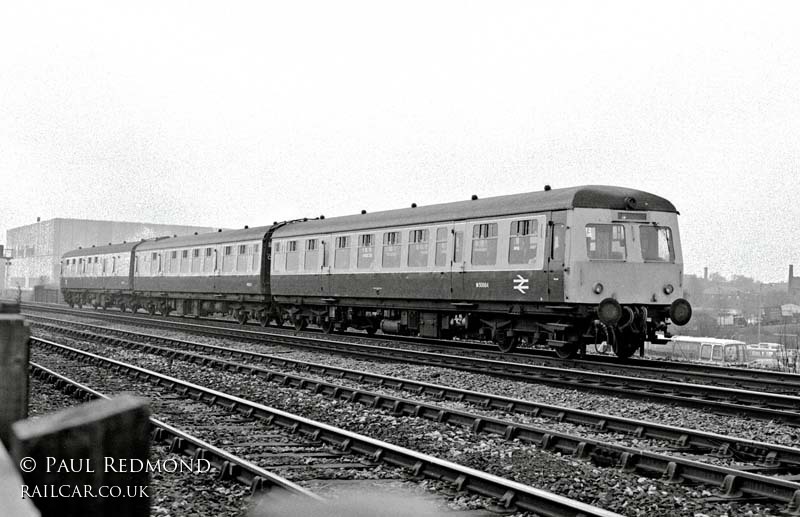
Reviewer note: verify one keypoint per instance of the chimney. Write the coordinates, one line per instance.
(38, 219)
(791, 275)
(705, 273)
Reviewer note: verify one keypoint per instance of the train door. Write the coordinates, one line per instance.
(556, 256)
(458, 263)
(326, 259)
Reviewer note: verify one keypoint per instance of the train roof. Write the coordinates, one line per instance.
(123, 247)
(206, 239)
(591, 196)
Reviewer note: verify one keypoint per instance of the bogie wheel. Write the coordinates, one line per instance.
(627, 344)
(122, 307)
(300, 323)
(371, 330)
(151, 309)
(568, 351)
(328, 325)
(506, 343)
(71, 304)
(263, 319)
(242, 317)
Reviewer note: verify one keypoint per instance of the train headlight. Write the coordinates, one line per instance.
(598, 288)
(609, 311)
(680, 312)
(668, 289)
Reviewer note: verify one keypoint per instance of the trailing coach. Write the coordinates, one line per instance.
(564, 268)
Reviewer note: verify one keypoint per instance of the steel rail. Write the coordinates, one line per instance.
(230, 466)
(730, 401)
(760, 379)
(510, 494)
(768, 455)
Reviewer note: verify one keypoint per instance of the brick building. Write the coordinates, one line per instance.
(36, 249)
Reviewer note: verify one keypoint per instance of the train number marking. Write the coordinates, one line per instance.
(482, 284)
(521, 284)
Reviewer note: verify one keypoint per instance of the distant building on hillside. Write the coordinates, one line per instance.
(35, 250)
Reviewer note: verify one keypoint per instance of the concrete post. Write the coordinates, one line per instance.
(98, 450)
(14, 355)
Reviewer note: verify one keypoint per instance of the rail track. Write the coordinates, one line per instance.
(230, 466)
(725, 400)
(741, 478)
(511, 495)
(741, 378)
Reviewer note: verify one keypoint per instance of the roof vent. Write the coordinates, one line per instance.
(322, 217)
(246, 227)
(176, 235)
(195, 233)
(92, 245)
(305, 219)
(474, 197)
(413, 205)
(80, 247)
(109, 244)
(363, 212)
(219, 230)
(124, 242)
(547, 188)
(274, 222)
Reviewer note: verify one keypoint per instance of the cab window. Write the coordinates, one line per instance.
(605, 242)
(656, 242)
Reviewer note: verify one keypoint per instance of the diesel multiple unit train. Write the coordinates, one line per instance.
(563, 268)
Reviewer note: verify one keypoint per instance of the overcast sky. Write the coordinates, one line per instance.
(226, 114)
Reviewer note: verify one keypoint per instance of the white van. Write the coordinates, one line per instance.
(724, 352)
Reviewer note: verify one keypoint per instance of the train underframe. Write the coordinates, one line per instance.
(570, 330)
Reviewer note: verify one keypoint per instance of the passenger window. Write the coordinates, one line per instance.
(523, 245)
(312, 255)
(705, 352)
(441, 247)
(242, 249)
(392, 245)
(196, 253)
(458, 247)
(341, 258)
(418, 248)
(366, 251)
(730, 353)
(605, 242)
(484, 244)
(717, 355)
(292, 258)
(208, 252)
(228, 250)
(656, 242)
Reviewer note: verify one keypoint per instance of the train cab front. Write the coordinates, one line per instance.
(626, 269)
